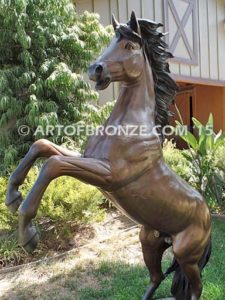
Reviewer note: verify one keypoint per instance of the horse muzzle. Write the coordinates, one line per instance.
(98, 72)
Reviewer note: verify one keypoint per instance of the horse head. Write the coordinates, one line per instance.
(123, 60)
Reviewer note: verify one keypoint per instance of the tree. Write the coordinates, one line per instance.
(44, 48)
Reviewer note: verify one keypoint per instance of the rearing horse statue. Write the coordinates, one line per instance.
(130, 169)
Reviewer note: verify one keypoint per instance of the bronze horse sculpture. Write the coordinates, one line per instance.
(130, 170)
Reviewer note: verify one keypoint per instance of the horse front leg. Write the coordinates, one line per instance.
(41, 148)
(88, 170)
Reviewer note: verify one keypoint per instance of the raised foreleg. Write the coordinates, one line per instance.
(41, 148)
(88, 170)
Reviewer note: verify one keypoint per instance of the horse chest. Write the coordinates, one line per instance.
(127, 156)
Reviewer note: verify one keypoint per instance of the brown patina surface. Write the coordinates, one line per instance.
(130, 170)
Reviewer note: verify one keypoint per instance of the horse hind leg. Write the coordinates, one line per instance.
(41, 148)
(153, 248)
(192, 255)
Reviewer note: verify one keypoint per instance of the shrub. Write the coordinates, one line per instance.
(10, 253)
(94, 118)
(69, 199)
(6, 218)
(176, 160)
(206, 172)
(219, 157)
(44, 48)
(65, 200)
(180, 162)
(67, 205)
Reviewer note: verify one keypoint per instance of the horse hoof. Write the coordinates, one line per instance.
(15, 203)
(32, 244)
(148, 294)
(28, 237)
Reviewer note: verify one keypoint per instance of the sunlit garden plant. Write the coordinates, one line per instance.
(207, 174)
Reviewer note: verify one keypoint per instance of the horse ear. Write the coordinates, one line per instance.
(115, 23)
(134, 25)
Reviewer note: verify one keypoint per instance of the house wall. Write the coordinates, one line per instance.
(205, 26)
(209, 32)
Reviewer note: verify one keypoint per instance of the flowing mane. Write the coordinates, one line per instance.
(157, 54)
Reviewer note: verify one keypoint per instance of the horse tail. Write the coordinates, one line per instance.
(181, 288)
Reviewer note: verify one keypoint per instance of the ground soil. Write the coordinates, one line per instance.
(115, 238)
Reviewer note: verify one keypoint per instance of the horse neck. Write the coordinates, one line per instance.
(138, 96)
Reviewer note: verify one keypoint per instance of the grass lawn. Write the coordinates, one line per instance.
(109, 273)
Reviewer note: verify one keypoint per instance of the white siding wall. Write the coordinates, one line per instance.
(211, 34)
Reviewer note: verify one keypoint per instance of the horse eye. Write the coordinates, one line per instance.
(129, 46)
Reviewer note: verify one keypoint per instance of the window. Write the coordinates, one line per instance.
(181, 23)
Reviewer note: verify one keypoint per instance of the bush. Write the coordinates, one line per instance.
(10, 253)
(69, 199)
(207, 174)
(65, 200)
(45, 47)
(6, 218)
(176, 160)
(67, 206)
(94, 118)
(219, 157)
(203, 172)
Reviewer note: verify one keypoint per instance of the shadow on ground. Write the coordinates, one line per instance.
(106, 280)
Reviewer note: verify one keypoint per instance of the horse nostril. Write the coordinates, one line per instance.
(95, 71)
(99, 69)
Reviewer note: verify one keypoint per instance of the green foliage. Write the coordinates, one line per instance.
(66, 202)
(219, 160)
(10, 253)
(176, 160)
(66, 199)
(7, 220)
(69, 199)
(206, 159)
(44, 48)
(100, 115)
(94, 117)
